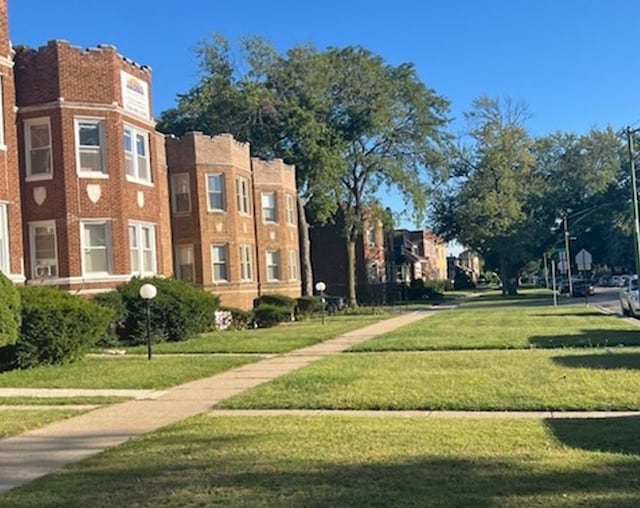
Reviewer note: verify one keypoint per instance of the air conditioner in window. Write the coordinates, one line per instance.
(43, 271)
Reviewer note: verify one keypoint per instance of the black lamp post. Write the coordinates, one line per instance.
(148, 292)
(320, 287)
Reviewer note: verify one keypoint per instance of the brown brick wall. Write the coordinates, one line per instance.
(89, 83)
(198, 155)
(9, 174)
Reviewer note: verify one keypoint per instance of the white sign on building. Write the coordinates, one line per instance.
(135, 95)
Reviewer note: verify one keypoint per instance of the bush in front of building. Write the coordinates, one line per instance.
(267, 315)
(179, 311)
(240, 319)
(275, 299)
(57, 327)
(112, 300)
(307, 306)
(10, 316)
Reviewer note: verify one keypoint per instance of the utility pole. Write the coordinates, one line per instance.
(634, 187)
(566, 249)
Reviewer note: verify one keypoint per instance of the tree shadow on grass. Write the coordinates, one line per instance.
(616, 435)
(244, 478)
(589, 338)
(607, 361)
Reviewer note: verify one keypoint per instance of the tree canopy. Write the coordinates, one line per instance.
(352, 124)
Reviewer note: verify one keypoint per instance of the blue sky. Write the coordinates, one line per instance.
(571, 61)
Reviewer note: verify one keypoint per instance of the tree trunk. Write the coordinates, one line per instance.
(306, 270)
(351, 272)
(509, 279)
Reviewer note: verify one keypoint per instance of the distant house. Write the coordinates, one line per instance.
(417, 255)
(329, 260)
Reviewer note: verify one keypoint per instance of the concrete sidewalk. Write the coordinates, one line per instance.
(38, 452)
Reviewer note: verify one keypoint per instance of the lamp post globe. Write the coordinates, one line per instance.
(148, 292)
(320, 287)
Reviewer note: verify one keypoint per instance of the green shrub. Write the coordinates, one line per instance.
(307, 306)
(240, 319)
(10, 315)
(112, 300)
(57, 327)
(179, 311)
(267, 315)
(421, 290)
(275, 299)
(462, 281)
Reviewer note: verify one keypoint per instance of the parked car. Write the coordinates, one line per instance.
(334, 303)
(583, 288)
(629, 297)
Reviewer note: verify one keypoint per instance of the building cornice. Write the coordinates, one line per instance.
(91, 106)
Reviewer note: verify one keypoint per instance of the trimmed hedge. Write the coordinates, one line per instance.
(178, 312)
(275, 299)
(57, 327)
(10, 314)
(112, 300)
(267, 315)
(307, 306)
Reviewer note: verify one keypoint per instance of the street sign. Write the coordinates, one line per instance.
(562, 265)
(584, 260)
(562, 254)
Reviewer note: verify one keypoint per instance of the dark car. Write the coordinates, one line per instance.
(334, 303)
(581, 288)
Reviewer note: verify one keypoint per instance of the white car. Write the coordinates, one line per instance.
(629, 301)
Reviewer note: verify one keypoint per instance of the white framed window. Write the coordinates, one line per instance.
(246, 263)
(220, 263)
(215, 192)
(242, 195)
(291, 210)
(96, 247)
(293, 265)
(371, 237)
(3, 146)
(90, 147)
(181, 193)
(38, 149)
(4, 239)
(269, 207)
(185, 266)
(136, 155)
(44, 251)
(142, 248)
(273, 265)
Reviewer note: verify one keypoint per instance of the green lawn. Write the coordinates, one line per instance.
(122, 372)
(17, 421)
(507, 328)
(559, 379)
(280, 339)
(371, 462)
(59, 401)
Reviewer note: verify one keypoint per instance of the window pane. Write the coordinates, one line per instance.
(45, 243)
(215, 185)
(95, 235)
(90, 160)
(39, 136)
(40, 161)
(96, 260)
(89, 134)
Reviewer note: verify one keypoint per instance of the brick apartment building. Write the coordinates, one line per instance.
(93, 171)
(86, 201)
(11, 247)
(234, 219)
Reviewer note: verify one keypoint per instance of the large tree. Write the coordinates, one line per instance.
(486, 208)
(350, 122)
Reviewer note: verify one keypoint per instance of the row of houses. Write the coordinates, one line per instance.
(92, 195)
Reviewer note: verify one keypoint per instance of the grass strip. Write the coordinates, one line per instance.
(280, 339)
(509, 328)
(458, 380)
(121, 372)
(356, 462)
(13, 422)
